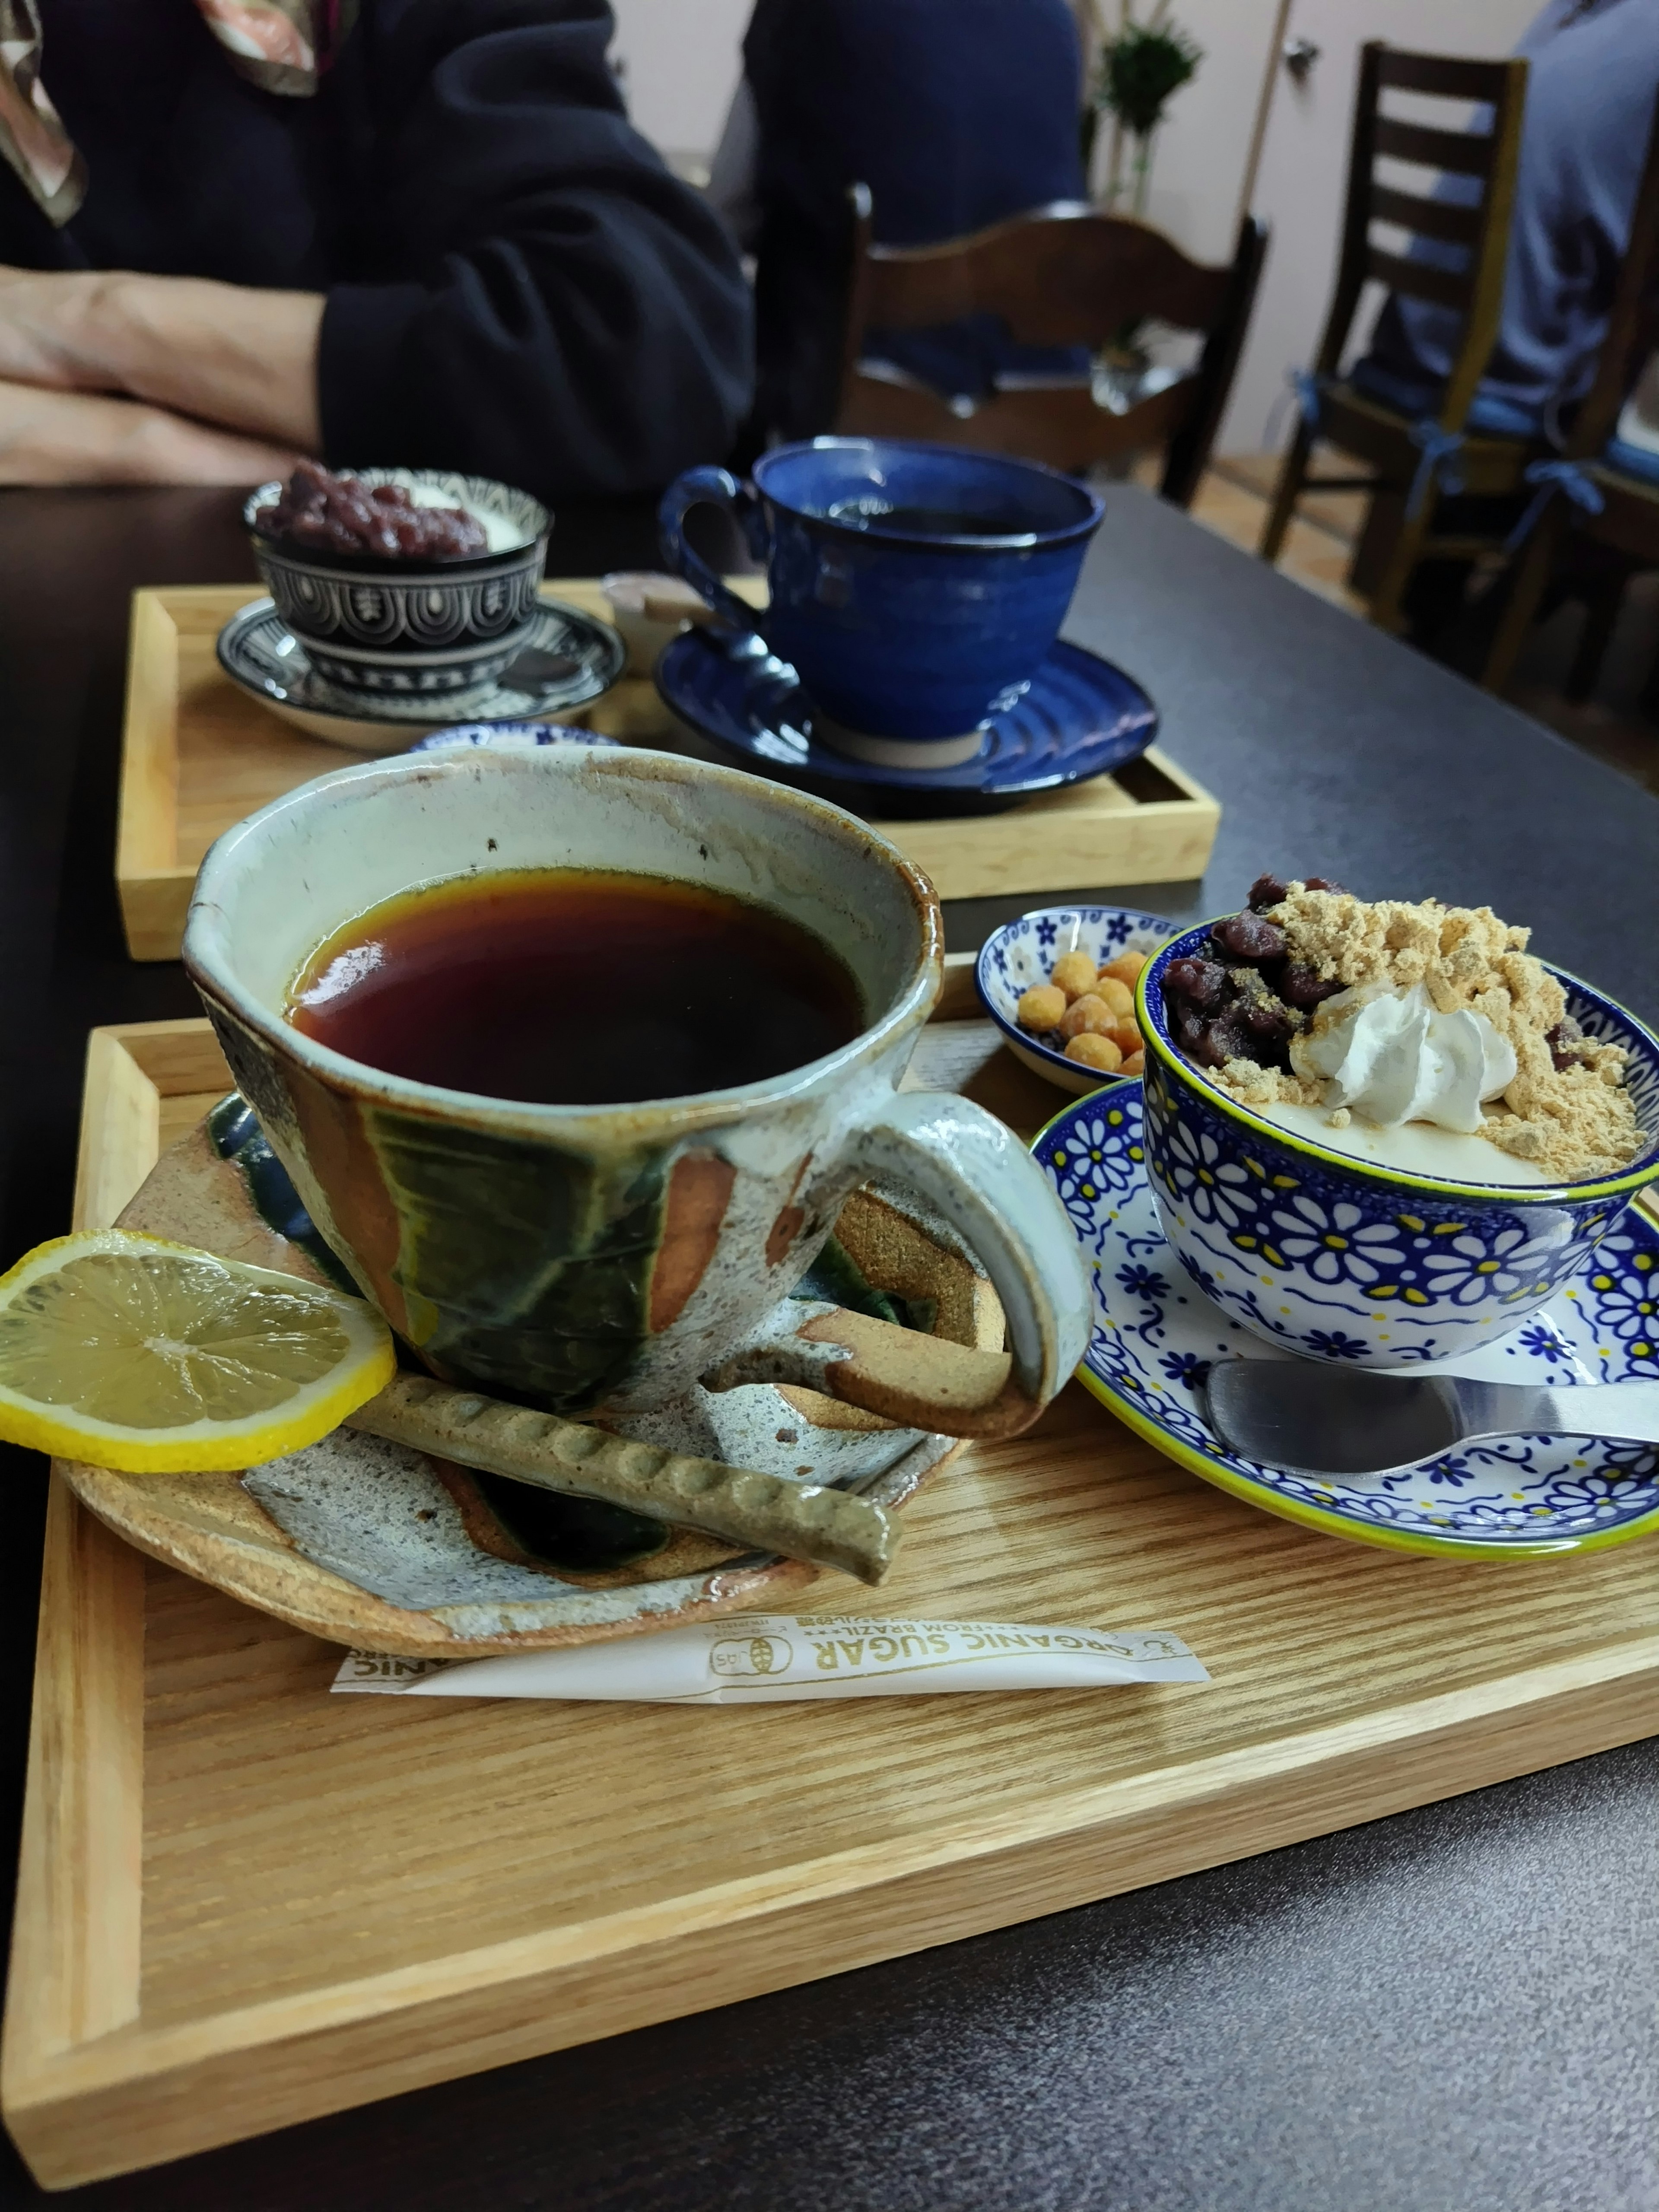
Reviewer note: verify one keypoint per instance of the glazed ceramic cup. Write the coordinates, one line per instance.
(583, 1257)
(409, 628)
(906, 638)
(1341, 1260)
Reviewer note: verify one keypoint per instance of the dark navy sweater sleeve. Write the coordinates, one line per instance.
(516, 285)
(530, 295)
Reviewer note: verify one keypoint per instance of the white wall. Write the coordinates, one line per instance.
(682, 61)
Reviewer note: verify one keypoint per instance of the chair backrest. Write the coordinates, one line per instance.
(1486, 154)
(1061, 275)
(1632, 321)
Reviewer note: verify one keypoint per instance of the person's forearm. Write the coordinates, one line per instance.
(81, 438)
(227, 354)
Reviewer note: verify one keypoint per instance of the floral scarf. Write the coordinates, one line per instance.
(281, 45)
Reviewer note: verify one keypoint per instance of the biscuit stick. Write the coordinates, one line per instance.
(764, 1512)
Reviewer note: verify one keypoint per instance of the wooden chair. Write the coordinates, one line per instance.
(1062, 276)
(1627, 526)
(1405, 482)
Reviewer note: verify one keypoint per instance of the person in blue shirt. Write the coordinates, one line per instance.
(956, 114)
(1590, 96)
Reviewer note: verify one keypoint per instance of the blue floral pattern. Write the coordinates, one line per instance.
(1338, 1262)
(1156, 1334)
(1021, 954)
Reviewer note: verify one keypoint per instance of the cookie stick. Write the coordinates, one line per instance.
(766, 1512)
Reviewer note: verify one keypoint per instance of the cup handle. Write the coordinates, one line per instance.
(966, 1164)
(718, 488)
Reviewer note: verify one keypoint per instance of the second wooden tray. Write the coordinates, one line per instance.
(245, 1902)
(198, 755)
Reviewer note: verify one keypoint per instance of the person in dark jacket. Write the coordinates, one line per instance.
(956, 114)
(382, 232)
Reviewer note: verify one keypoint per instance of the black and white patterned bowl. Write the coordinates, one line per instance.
(411, 629)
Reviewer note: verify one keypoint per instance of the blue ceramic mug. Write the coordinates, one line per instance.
(915, 588)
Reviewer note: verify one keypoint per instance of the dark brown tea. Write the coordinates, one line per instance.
(568, 988)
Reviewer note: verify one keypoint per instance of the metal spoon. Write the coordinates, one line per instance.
(1315, 1420)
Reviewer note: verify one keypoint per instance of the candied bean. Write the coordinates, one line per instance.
(1125, 967)
(1090, 1050)
(1074, 974)
(1041, 1008)
(1199, 982)
(1321, 884)
(1190, 1027)
(1266, 892)
(1298, 985)
(1086, 1013)
(1251, 937)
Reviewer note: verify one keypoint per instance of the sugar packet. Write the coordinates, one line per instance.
(773, 1658)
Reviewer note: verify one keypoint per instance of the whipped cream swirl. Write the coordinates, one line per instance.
(1392, 1056)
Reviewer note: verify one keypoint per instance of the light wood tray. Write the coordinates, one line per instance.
(198, 754)
(243, 1903)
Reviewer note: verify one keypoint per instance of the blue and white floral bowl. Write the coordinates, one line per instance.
(1156, 1337)
(1339, 1259)
(1020, 955)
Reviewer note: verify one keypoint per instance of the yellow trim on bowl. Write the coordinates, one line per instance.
(1525, 1193)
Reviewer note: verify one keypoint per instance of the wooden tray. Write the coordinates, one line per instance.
(198, 755)
(243, 1903)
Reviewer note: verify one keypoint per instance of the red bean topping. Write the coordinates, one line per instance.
(1304, 987)
(1197, 982)
(340, 514)
(1251, 937)
(1266, 892)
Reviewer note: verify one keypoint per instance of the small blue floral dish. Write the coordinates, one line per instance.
(1021, 953)
(508, 737)
(1339, 1258)
(1155, 1336)
(1078, 717)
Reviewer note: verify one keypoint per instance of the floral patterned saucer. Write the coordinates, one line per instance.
(1155, 1336)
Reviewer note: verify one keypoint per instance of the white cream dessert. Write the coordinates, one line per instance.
(1422, 1037)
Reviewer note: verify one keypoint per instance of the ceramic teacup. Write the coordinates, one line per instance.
(582, 1257)
(1341, 1259)
(915, 588)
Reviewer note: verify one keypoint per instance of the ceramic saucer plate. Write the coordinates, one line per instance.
(1155, 1335)
(362, 1542)
(1078, 717)
(1021, 954)
(570, 657)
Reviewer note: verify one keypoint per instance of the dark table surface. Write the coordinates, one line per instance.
(1450, 2011)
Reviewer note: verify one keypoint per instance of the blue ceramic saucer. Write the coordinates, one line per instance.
(1155, 1336)
(1078, 717)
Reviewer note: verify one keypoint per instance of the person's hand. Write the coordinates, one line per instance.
(45, 329)
(49, 437)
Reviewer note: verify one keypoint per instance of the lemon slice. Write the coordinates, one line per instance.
(130, 1352)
